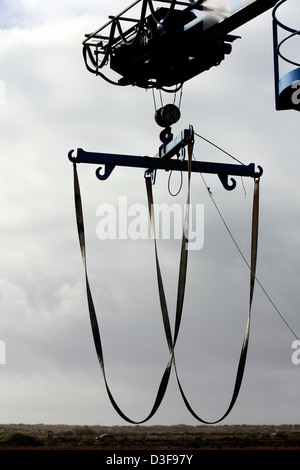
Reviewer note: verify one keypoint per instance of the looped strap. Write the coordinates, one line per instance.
(163, 304)
(93, 317)
(181, 290)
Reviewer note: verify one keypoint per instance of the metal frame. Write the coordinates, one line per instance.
(238, 19)
(163, 161)
(103, 47)
(282, 85)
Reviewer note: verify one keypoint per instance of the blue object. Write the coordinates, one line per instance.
(289, 91)
(287, 87)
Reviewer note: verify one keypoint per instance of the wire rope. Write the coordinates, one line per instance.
(235, 242)
(219, 148)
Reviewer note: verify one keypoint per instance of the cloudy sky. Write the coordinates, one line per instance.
(50, 104)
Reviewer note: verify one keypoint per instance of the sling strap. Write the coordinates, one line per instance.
(243, 355)
(182, 263)
(180, 296)
(181, 288)
(93, 317)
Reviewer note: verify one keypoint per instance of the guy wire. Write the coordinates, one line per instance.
(240, 251)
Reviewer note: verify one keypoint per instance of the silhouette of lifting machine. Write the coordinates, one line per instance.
(160, 44)
(163, 48)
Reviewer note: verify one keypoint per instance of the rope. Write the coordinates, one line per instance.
(234, 241)
(246, 262)
(219, 148)
(226, 153)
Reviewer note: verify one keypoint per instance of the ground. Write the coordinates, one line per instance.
(155, 438)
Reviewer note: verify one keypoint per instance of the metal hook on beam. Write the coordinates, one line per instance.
(164, 161)
(224, 180)
(108, 168)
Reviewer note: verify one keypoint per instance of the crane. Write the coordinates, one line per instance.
(159, 45)
(169, 45)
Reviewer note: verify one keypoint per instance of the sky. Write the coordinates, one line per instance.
(51, 104)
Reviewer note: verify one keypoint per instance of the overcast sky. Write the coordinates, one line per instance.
(51, 104)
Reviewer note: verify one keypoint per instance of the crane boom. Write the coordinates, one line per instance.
(169, 45)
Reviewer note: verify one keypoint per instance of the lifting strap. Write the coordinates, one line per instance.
(182, 263)
(93, 317)
(180, 296)
(181, 288)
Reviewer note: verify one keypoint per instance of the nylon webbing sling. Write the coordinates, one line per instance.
(243, 355)
(180, 297)
(93, 318)
(182, 263)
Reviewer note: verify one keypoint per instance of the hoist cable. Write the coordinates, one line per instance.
(180, 98)
(161, 100)
(154, 100)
